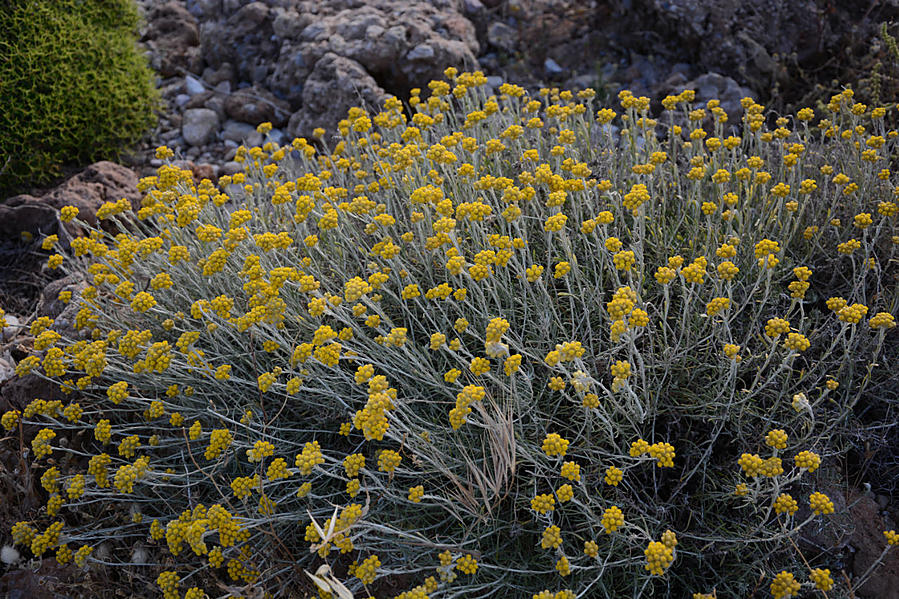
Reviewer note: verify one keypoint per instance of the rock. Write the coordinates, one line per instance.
(193, 86)
(87, 190)
(502, 36)
(241, 133)
(716, 86)
(213, 77)
(335, 85)
(174, 38)
(181, 100)
(199, 100)
(276, 45)
(255, 105)
(247, 19)
(199, 125)
(166, 136)
(472, 7)
(277, 136)
(552, 68)
(868, 541)
(26, 213)
(231, 168)
(216, 103)
(421, 52)
(204, 171)
(13, 327)
(7, 366)
(49, 303)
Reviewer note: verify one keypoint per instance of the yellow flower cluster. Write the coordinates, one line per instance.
(554, 445)
(784, 585)
(659, 558)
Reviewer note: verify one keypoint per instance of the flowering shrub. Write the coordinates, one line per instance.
(76, 87)
(502, 349)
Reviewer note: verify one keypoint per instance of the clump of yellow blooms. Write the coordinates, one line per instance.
(784, 585)
(435, 287)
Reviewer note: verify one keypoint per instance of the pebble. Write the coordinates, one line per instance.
(552, 67)
(199, 125)
(421, 52)
(231, 168)
(277, 136)
(193, 86)
(241, 132)
(181, 100)
(13, 326)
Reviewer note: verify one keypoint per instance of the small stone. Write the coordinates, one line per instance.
(181, 100)
(223, 87)
(421, 52)
(12, 328)
(277, 136)
(494, 81)
(155, 162)
(199, 125)
(552, 67)
(193, 86)
(502, 36)
(472, 7)
(231, 168)
(241, 133)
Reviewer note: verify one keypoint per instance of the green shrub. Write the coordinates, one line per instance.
(74, 86)
(494, 351)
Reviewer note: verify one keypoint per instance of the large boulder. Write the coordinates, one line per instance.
(336, 85)
(98, 183)
(256, 105)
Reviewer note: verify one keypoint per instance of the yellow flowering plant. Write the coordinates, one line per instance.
(518, 364)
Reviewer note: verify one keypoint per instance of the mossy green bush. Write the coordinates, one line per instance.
(74, 86)
(517, 347)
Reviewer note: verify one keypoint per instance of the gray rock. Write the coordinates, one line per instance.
(472, 7)
(241, 133)
(255, 105)
(199, 125)
(12, 328)
(216, 102)
(193, 86)
(716, 86)
(223, 87)
(248, 19)
(502, 36)
(277, 136)
(421, 52)
(181, 100)
(336, 84)
(225, 72)
(552, 67)
(231, 168)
